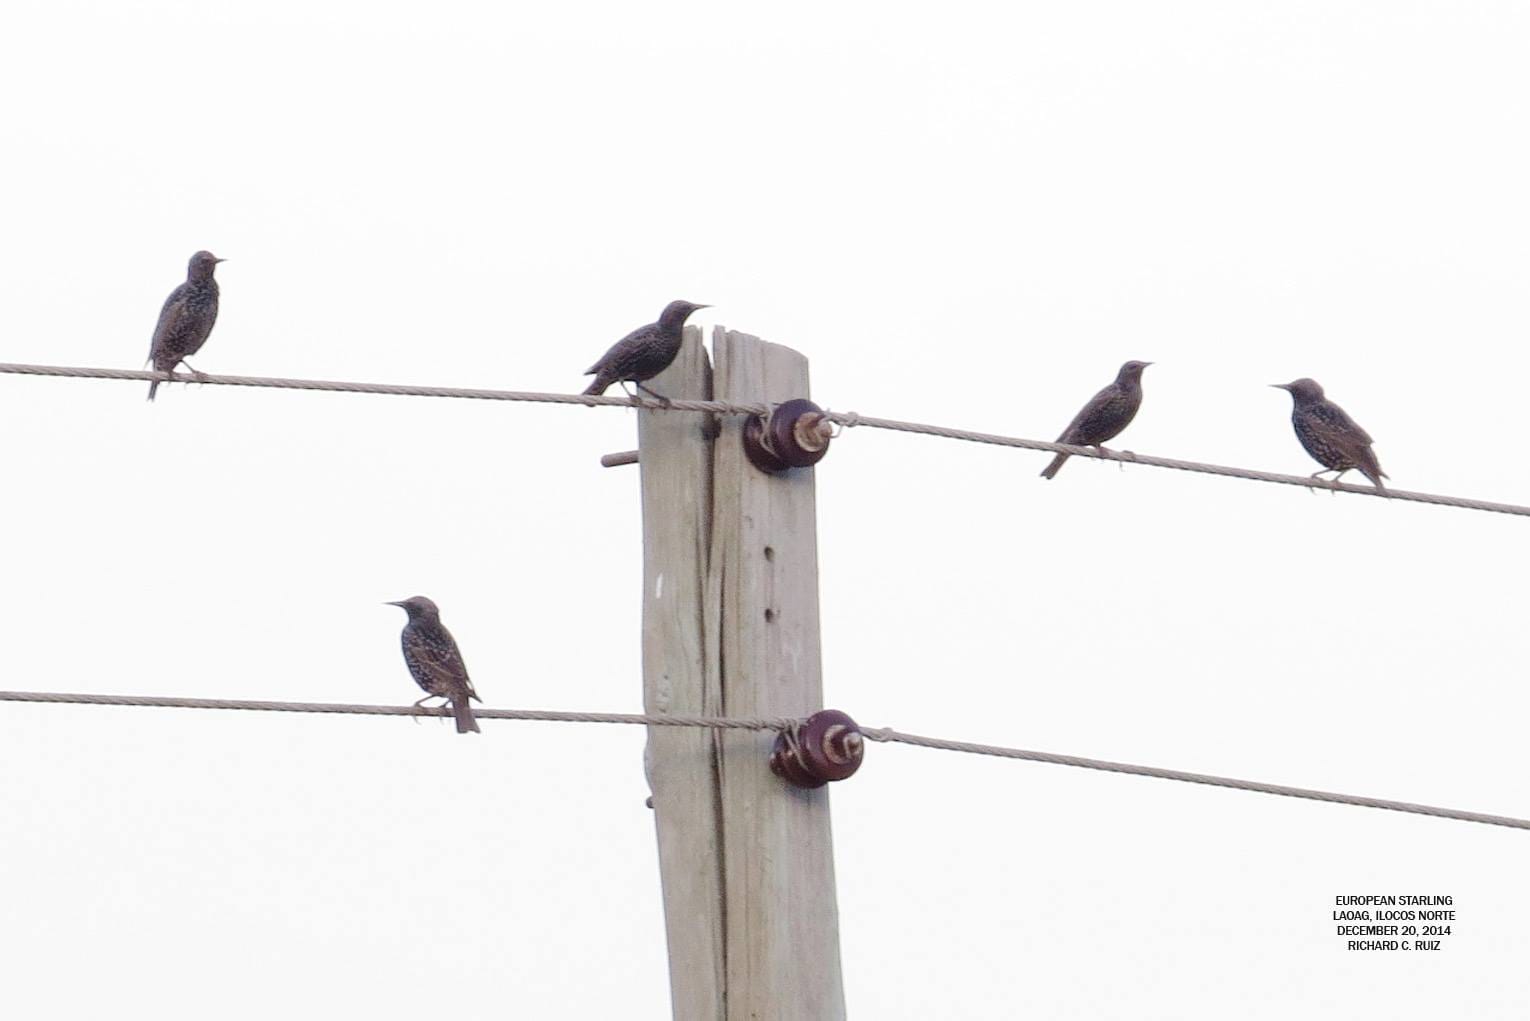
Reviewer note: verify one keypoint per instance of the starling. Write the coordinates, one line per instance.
(643, 353)
(432, 657)
(1330, 436)
(1106, 414)
(187, 317)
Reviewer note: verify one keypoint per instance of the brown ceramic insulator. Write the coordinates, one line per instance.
(796, 435)
(826, 746)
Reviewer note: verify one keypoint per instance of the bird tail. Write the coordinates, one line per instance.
(1052, 469)
(1371, 468)
(464, 714)
(598, 387)
(158, 365)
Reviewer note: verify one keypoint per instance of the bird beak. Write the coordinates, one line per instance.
(393, 604)
(1281, 386)
(220, 260)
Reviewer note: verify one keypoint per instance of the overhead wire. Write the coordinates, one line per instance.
(841, 418)
(1182, 776)
(844, 419)
(346, 708)
(778, 725)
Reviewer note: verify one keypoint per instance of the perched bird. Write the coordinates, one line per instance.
(643, 353)
(187, 317)
(1330, 436)
(432, 657)
(1106, 414)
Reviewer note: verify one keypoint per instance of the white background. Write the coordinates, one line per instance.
(963, 213)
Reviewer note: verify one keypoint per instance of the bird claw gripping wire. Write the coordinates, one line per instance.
(810, 753)
(795, 434)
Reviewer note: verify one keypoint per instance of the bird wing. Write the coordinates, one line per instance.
(620, 354)
(439, 661)
(1331, 421)
(1084, 424)
(1078, 419)
(169, 318)
(612, 356)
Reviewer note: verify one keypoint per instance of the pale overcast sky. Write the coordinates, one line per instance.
(966, 213)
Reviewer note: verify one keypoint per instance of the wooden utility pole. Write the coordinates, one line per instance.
(730, 627)
(675, 455)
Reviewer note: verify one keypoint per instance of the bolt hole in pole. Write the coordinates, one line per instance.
(770, 553)
(770, 615)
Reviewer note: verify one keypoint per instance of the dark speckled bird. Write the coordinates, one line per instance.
(643, 353)
(1330, 436)
(432, 657)
(187, 317)
(1106, 414)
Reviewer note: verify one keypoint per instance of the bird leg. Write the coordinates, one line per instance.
(421, 705)
(1333, 483)
(1105, 453)
(1318, 477)
(656, 396)
(637, 401)
(200, 377)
